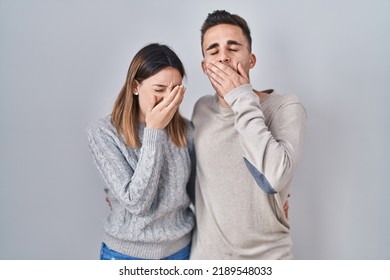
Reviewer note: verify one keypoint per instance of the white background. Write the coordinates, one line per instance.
(62, 64)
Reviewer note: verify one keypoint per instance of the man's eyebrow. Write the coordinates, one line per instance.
(233, 42)
(212, 46)
(229, 43)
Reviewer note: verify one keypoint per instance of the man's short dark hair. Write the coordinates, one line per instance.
(223, 17)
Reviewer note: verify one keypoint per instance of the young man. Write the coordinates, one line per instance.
(247, 145)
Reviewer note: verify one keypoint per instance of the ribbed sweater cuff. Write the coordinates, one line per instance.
(153, 137)
(235, 93)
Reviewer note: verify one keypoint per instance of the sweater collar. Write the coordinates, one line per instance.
(224, 112)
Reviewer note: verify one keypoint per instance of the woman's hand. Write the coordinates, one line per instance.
(159, 115)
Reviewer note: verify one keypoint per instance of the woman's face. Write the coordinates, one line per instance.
(153, 89)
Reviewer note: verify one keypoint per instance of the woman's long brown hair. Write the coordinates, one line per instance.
(125, 115)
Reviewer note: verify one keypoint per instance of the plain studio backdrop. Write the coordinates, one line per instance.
(62, 64)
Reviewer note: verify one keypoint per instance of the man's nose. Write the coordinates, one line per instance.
(224, 57)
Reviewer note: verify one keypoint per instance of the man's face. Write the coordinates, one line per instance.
(227, 43)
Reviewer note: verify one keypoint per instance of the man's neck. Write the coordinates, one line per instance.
(262, 94)
(222, 102)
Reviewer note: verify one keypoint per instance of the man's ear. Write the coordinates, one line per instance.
(203, 65)
(252, 61)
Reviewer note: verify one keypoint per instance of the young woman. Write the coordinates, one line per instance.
(144, 152)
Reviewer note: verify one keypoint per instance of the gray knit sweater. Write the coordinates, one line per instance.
(246, 156)
(150, 215)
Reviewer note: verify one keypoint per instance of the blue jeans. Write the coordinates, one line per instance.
(107, 253)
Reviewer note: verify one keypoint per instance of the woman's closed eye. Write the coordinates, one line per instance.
(159, 90)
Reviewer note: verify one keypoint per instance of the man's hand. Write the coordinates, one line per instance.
(224, 79)
(286, 206)
(159, 115)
